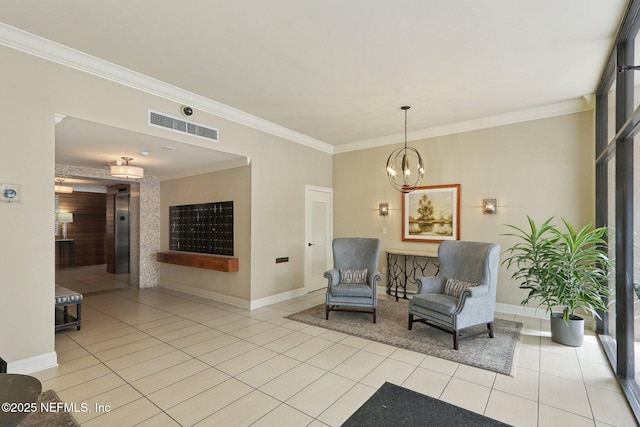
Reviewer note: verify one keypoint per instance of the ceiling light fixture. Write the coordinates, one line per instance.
(125, 171)
(401, 159)
(59, 188)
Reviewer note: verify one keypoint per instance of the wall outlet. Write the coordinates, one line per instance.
(384, 230)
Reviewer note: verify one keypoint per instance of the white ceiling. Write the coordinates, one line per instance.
(94, 145)
(339, 70)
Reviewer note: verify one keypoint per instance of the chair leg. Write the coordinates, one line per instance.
(456, 335)
(78, 314)
(327, 318)
(490, 327)
(410, 321)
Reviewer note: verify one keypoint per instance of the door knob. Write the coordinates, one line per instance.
(310, 244)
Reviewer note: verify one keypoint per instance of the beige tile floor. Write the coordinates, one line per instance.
(162, 358)
(88, 279)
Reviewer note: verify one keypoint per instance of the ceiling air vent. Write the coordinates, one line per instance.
(183, 126)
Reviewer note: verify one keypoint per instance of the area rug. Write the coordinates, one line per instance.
(395, 406)
(498, 354)
(52, 418)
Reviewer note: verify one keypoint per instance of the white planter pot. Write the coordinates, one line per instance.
(571, 334)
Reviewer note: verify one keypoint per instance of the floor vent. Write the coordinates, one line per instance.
(182, 126)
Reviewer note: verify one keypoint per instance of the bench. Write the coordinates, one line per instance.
(64, 298)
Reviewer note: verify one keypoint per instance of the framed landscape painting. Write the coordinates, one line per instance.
(431, 214)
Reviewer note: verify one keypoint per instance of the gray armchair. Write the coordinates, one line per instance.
(354, 279)
(464, 294)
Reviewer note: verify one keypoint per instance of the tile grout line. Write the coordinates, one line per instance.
(194, 357)
(159, 307)
(143, 395)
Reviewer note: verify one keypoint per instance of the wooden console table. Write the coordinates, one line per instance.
(403, 266)
(209, 262)
(66, 249)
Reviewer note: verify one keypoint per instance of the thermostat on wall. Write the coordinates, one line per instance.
(10, 192)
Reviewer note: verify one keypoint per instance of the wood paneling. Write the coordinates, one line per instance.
(88, 228)
(208, 262)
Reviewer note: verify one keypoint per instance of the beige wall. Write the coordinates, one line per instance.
(277, 221)
(228, 185)
(26, 227)
(33, 90)
(278, 174)
(540, 168)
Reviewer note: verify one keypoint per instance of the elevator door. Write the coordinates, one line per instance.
(122, 233)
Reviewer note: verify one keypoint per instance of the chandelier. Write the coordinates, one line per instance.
(400, 164)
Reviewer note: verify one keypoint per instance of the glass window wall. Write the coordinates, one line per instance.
(617, 184)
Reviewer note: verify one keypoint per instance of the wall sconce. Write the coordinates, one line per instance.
(383, 209)
(489, 206)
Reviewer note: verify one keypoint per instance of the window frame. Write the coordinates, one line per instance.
(619, 350)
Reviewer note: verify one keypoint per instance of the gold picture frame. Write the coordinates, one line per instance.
(431, 214)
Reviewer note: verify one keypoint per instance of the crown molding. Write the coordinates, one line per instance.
(579, 105)
(51, 51)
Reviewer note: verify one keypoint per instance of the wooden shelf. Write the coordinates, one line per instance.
(209, 262)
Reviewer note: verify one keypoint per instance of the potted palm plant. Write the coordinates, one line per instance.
(566, 270)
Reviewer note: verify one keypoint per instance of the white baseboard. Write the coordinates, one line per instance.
(192, 290)
(273, 299)
(262, 302)
(536, 313)
(33, 364)
(235, 301)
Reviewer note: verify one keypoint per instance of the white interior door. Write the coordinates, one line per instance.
(318, 235)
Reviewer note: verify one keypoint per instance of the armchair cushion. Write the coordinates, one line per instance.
(454, 287)
(439, 303)
(351, 290)
(353, 276)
